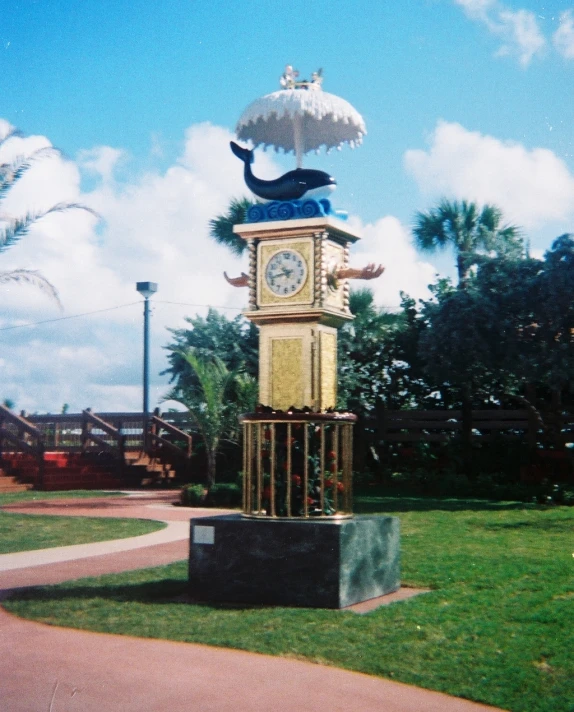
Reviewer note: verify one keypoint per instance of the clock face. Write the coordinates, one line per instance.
(286, 273)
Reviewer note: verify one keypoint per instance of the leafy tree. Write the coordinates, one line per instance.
(379, 362)
(469, 230)
(214, 398)
(512, 325)
(221, 227)
(364, 356)
(227, 352)
(234, 341)
(552, 328)
(12, 228)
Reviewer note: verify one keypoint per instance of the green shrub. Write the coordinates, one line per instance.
(224, 494)
(193, 496)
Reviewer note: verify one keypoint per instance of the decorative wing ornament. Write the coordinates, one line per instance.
(369, 272)
(241, 281)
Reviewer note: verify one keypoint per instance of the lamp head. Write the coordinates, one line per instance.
(146, 289)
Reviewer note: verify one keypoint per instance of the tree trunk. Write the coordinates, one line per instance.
(211, 464)
(462, 272)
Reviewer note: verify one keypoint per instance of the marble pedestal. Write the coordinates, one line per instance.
(318, 563)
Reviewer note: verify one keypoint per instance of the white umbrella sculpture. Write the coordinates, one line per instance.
(301, 118)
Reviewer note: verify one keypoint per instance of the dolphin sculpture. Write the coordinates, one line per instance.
(302, 182)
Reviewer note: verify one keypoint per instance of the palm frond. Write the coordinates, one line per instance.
(221, 227)
(13, 230)
(11, 133)
(33, 277)
(16, 228)
(470, 230)
(10, 173)
(429, 231)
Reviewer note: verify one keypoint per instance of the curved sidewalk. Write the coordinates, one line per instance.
(63, 670)
(174, 531)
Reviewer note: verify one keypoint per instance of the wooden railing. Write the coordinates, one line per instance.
(97, 431)
(108, 434)
(158, 426)
(115, 432)
(22, 436)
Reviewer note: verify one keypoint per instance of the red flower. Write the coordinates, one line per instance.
(328, 483)
(266, 494)
(267, 434)
(310, 500)
(296, 479)
(340, 487)
(332, 455)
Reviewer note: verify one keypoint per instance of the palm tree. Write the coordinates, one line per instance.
(469, 230)
(12, 228)
(214, 402)
(221, 227)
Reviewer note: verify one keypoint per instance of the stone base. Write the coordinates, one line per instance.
(318, 563)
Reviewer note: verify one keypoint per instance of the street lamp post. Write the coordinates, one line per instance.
(146, 289)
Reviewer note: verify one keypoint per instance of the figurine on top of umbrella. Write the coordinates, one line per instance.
(298, 118)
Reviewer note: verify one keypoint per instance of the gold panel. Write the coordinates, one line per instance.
(287, 382)
(334, 257)
(328, 369)
(266, 251)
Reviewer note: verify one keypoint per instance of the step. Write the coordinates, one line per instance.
(11, 484)
(12, 488)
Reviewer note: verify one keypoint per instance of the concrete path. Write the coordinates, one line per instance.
(48, 669)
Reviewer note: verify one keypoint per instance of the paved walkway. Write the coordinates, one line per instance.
(49, 669)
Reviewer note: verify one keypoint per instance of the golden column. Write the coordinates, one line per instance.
(298, 300)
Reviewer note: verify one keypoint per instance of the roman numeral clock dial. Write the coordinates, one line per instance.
(286, 273)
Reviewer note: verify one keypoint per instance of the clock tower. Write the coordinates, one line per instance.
(296, 541)
(298, 302)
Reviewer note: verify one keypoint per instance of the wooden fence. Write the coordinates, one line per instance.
(443, 426)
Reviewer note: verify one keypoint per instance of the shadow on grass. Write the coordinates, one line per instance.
(367, 501)
(162, 591)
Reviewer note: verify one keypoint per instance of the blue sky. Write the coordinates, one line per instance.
(464, 98)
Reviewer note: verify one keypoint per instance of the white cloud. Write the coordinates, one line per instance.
(532, 187)
(476, 8)
(563, 38)
(388, 242)
(521, 35)
(101, 161)
(154, 227)
(518, 29)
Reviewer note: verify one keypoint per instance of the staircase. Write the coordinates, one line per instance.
(10, 484)
(84, 451)
(144, 470)
(71, 471)
(64, 471)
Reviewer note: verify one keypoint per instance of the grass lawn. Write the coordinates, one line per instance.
(498, 626)
(25, 532)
